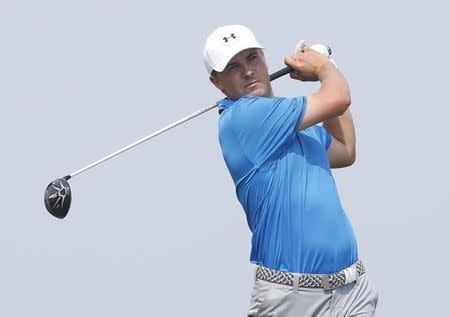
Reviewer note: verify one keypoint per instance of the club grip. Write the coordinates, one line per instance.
(281, 72)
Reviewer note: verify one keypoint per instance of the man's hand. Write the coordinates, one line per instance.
(309, 65)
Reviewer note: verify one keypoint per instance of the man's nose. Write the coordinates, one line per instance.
(247, 71)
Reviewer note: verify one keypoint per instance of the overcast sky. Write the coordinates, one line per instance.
(158, 231)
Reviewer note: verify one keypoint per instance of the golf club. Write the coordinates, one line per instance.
(58, 195)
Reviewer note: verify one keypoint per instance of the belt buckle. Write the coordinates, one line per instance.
(351, 274)
(325, 282)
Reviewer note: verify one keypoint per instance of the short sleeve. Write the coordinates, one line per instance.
(324, 136)
(265, 126)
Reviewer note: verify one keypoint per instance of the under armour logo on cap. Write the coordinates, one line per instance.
(227, 38)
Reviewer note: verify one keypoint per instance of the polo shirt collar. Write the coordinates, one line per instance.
(224, 104)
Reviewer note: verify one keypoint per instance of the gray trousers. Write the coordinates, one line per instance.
(355, 299)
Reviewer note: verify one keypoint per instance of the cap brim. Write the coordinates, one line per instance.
(220, 66)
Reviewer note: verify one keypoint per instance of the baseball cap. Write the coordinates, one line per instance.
(225, 42)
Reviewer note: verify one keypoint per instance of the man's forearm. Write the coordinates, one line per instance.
(343, 130)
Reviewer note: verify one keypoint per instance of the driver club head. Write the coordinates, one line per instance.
(57, 197)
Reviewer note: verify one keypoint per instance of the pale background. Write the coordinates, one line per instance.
(158, 231)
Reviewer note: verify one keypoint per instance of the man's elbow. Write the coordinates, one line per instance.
(344, 163)
(351, 159)
(344, 160)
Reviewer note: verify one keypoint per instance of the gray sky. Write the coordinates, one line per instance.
(158, 231)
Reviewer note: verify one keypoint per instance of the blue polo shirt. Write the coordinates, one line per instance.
(285, 186)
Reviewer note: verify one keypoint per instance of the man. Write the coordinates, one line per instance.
(280, 160)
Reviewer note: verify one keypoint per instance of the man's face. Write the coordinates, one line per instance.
(245, 75)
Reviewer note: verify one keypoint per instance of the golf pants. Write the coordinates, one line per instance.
(276, 300)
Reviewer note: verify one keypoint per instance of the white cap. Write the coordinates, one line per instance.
(225, 42)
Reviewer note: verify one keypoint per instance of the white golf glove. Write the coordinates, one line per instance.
(322, 49)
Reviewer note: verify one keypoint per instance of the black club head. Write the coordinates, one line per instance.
(57, 197)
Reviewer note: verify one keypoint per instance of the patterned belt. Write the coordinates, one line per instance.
(325, 281)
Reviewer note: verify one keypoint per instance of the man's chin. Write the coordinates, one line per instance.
(256, 92)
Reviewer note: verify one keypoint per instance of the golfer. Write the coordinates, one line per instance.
(303, 244)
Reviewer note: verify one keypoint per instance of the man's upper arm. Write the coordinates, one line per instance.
(320, 108)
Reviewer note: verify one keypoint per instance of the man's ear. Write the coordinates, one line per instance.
(216, 82)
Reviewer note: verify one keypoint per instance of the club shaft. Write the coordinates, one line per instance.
(273, 76)
(146, 138)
